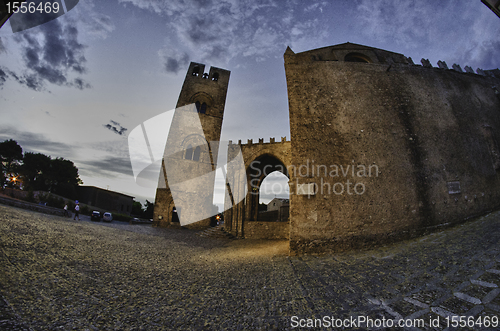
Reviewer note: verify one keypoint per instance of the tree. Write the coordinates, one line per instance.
(35, 171)
(149, 206)
(11, 154)
(137, 209)
(59, 176)
(63, 178)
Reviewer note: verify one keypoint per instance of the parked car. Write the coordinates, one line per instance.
(107, 217)
(96, 216)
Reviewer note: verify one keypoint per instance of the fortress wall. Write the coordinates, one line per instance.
(427, 130)
(266, 230)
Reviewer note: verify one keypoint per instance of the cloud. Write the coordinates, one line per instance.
(116, 128)
(462, 32)
(109, 167)
(2, 46)
(173, 60)
(35, 142)
(3, 77)
(53, 53)
(218, 31)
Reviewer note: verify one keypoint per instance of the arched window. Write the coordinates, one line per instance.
(215, 77)
(203, 108)
(357, 57)
(196, 71)
(198, 106)
(189, 153)
(196, 155)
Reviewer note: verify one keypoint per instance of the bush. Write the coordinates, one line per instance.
(51, 200)
(30, 197)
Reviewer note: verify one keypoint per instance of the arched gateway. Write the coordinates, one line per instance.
(260, 160)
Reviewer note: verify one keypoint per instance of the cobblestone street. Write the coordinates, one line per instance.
(61, 274)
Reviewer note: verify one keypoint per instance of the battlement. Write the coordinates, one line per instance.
(349, 52)
(197, 71)
(495, 73)
(261, 142)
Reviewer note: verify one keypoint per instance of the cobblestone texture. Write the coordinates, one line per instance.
(60, 274)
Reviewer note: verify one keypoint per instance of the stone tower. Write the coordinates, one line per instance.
(188, 167)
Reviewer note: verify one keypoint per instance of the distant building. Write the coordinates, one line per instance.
(277, 203)
(494, 5)
(105, 199)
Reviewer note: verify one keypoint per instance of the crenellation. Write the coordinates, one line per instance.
(495, 73)
(457, 67)
(442, 65)
(426, 63)
(469, 70)
(262, 141)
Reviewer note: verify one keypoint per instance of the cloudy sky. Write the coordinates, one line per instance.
(76, 86)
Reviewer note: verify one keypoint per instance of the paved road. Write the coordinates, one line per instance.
(60, 274)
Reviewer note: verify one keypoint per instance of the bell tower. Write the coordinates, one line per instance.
(188, 166)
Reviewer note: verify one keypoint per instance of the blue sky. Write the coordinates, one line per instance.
(68, 87)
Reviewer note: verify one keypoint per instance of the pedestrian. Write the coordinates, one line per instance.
(66, 210)
(77, 210)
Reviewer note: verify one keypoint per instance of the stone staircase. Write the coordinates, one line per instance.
(217, 232)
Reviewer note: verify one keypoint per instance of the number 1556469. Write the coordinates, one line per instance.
(31, 7)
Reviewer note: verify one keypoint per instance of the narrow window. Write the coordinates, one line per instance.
(196, 155)
(203, 108)
(189, 153)
(198, 106)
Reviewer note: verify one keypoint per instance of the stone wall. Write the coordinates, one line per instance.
(31, 206)
(423, 143)
(266, 230)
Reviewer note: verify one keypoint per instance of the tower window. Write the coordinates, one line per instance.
(189, 153)
(201, 108)
(196, 71)
(215, 77)
(196, 155)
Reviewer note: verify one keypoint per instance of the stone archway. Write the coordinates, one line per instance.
(260, 160)
(257, 171)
